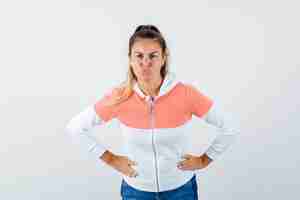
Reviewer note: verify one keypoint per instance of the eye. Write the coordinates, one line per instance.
(153, 56)
(140, 56)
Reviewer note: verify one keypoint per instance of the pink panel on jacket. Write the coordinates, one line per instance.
(171, 110)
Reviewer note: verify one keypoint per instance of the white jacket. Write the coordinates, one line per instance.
(154, 131)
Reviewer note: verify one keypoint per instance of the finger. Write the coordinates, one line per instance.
(181, 164)
(185, 165)
(132, 173)
(182, 167)
(187, 156)
(131, 162)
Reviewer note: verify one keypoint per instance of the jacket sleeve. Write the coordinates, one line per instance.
(226, 128)
(79, 128)
(204, 107)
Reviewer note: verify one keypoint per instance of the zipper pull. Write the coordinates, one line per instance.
(152, 98)
(151, 104)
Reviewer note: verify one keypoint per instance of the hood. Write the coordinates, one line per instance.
(169, 82)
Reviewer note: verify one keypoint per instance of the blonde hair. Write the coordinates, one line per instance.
(125, 89)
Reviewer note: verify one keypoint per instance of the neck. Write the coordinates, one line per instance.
(152, 87)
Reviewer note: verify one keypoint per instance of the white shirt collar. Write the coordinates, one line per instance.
(168, 84)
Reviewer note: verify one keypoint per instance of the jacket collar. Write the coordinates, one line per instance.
(168, 84)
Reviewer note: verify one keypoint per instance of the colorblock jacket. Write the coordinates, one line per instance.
(154, 129)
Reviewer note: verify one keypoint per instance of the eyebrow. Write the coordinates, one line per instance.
(149, 53)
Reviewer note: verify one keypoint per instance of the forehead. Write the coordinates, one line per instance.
(146, 46)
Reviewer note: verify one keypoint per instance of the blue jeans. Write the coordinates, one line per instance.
(188, 191)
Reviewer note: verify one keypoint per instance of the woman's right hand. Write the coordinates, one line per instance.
(120, 163)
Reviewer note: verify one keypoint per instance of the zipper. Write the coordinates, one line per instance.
(153, 145)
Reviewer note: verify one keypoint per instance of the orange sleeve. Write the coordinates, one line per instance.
(105, 112)
(199, 104)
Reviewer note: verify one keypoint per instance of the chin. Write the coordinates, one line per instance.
(146, 77)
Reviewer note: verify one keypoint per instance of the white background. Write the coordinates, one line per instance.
(58, 57)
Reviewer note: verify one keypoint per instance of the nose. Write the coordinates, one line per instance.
(146, 61)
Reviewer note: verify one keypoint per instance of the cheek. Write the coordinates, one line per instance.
(135, 67)
(158, 64)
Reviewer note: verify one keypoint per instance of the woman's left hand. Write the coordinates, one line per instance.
(194, 162)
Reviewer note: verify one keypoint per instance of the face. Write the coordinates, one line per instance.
(146, 59)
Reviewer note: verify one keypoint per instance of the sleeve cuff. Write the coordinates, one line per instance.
(97, 151)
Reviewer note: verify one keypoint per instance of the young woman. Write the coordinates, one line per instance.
(153, 108)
